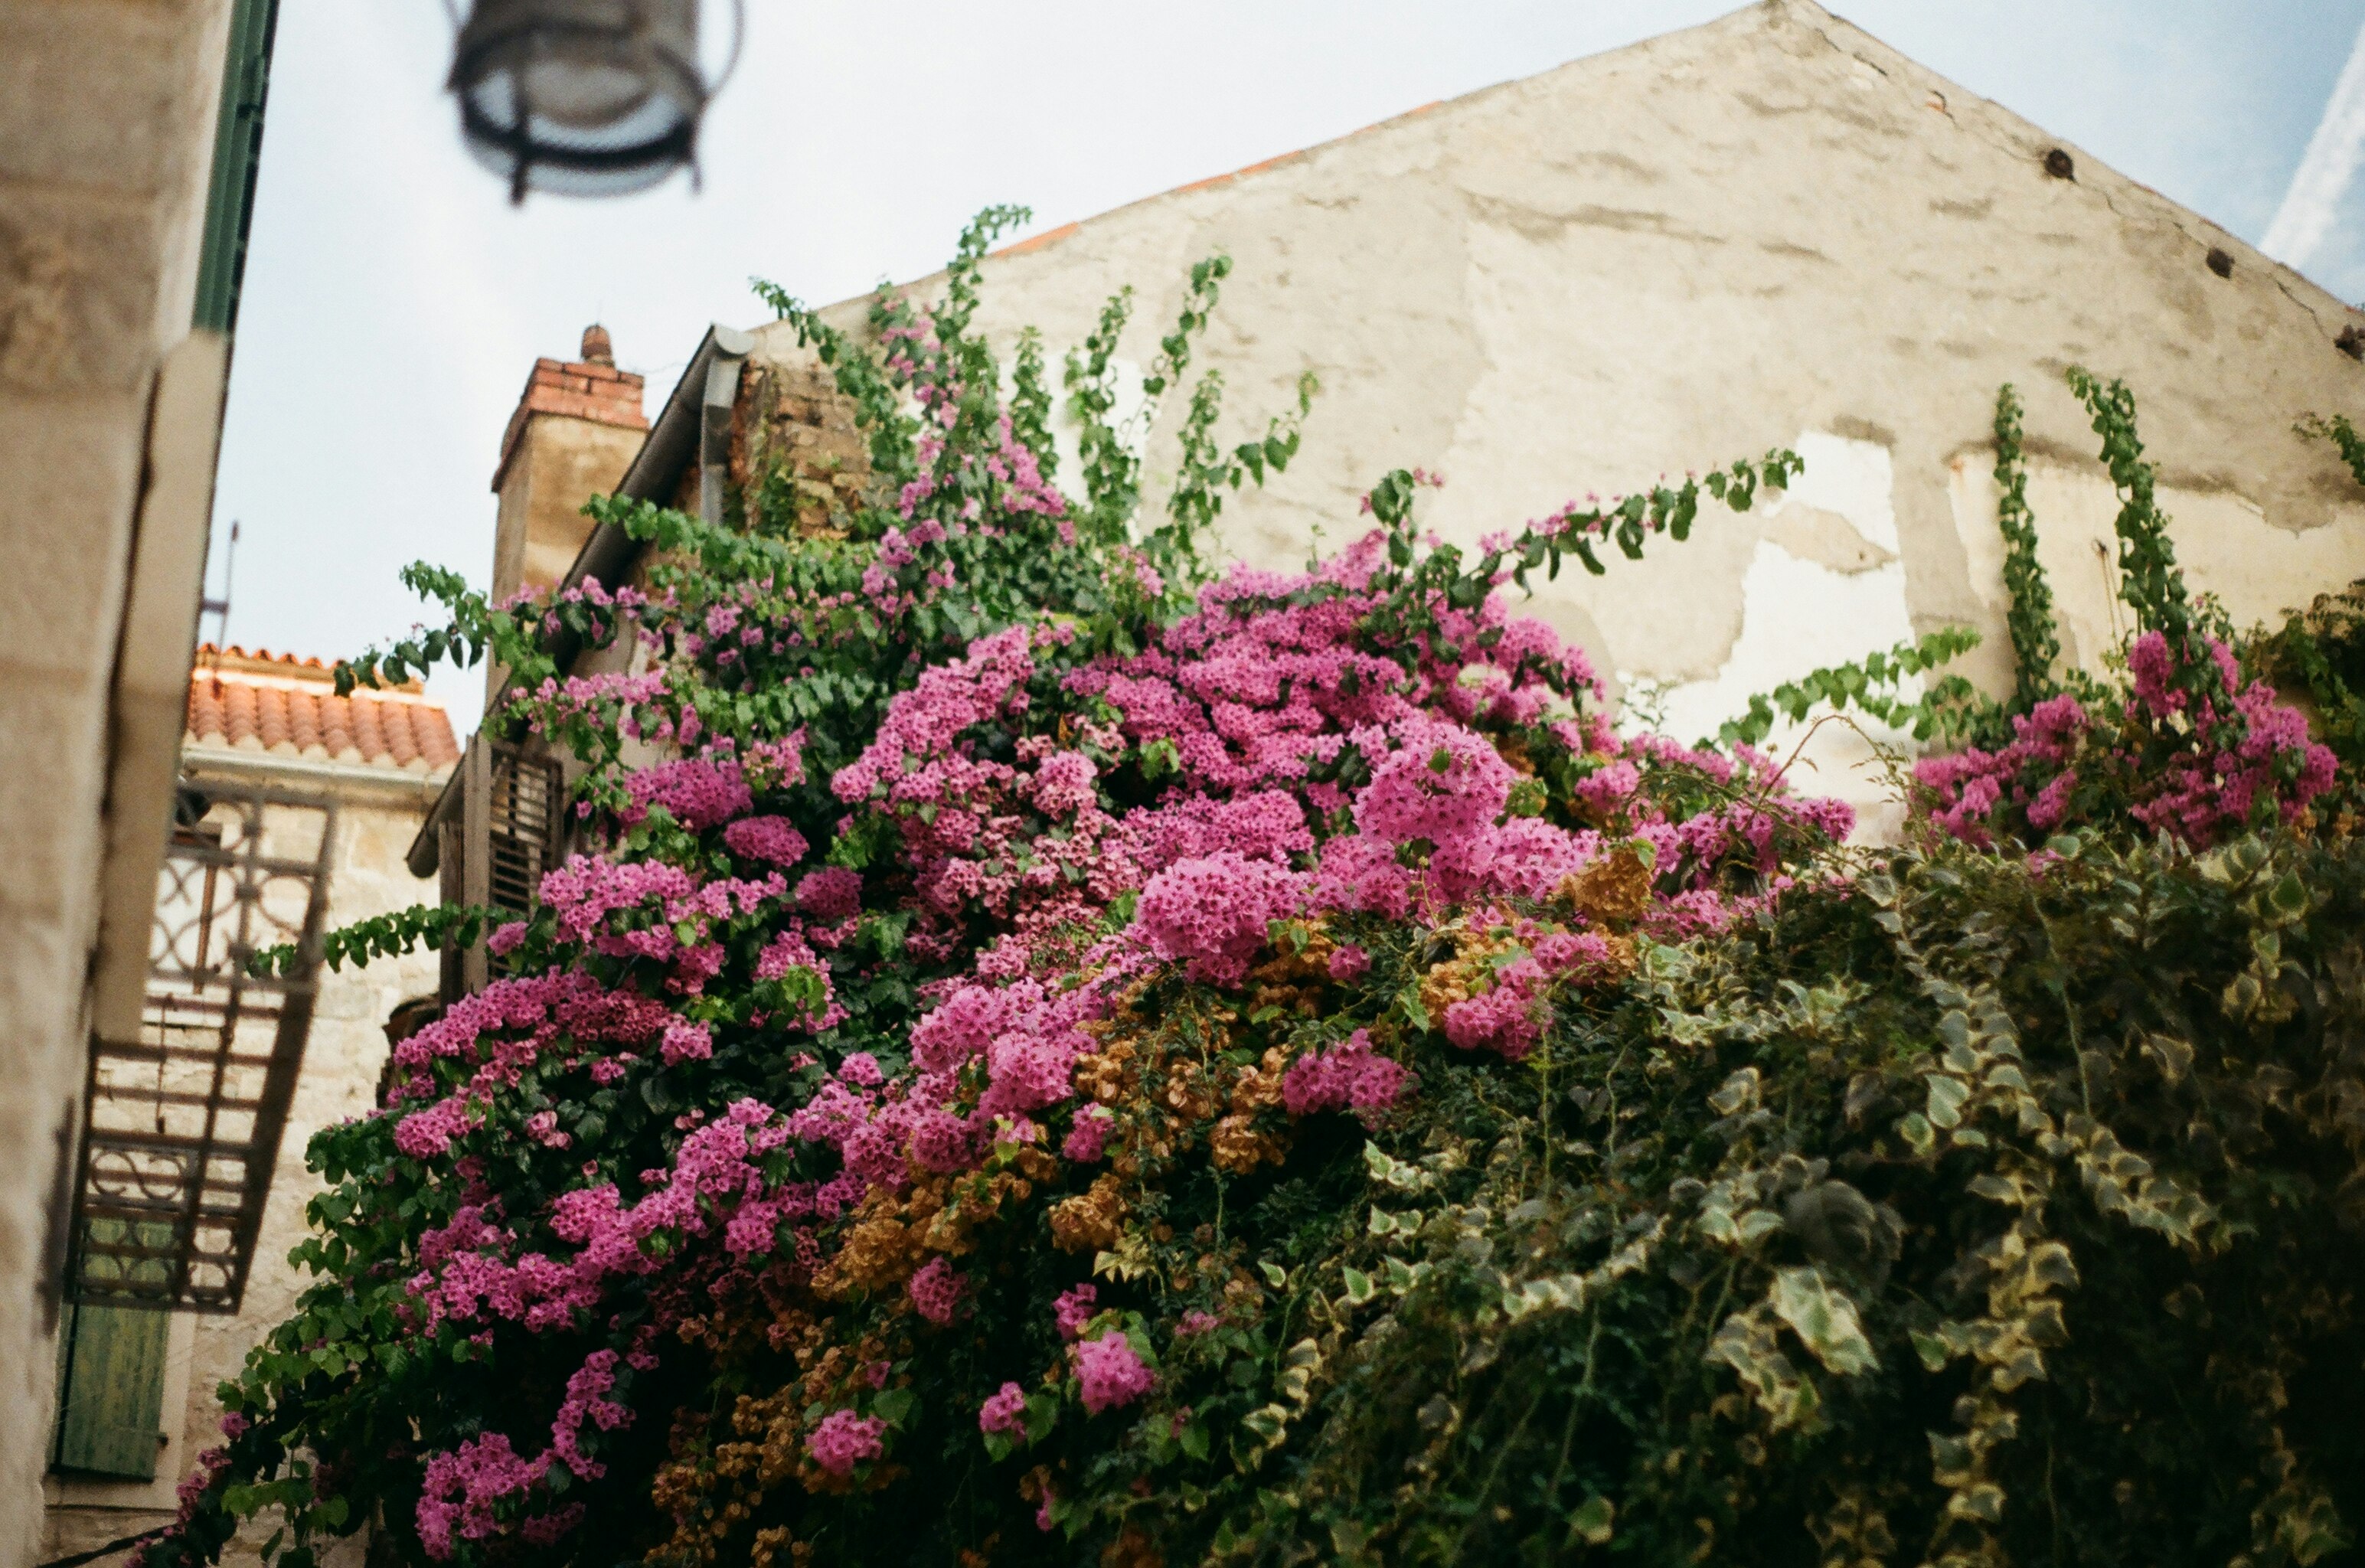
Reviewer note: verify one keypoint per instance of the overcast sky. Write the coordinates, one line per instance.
(395, 301)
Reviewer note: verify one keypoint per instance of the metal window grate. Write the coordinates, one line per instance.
(182, 1125)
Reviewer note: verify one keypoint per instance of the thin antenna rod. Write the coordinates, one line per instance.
(220, 608)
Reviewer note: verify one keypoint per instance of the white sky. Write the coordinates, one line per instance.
(395, 301)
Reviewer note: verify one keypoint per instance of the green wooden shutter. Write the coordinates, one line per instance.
(111, 1391)
(237, 151)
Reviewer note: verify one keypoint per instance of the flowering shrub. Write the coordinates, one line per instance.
(2194, 748)
(1066, 1057)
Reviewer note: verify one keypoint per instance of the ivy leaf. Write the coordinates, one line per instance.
(1269, 1424)
(1824, 1318)
(1946, 1098)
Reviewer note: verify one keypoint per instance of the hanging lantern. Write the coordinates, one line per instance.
(581, 97)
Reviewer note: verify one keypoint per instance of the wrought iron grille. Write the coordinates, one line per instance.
(183, 1126)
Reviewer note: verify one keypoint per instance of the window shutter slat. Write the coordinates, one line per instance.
(510, 819)
(111, 1400)
(476, 860)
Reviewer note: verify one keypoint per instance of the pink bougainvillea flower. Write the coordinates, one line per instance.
(1111, 1375)
(844, 1440)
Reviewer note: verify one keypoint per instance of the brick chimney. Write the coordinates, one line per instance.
(577, 426)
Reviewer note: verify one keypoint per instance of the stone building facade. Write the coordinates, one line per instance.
(125, 181)
(383, 756)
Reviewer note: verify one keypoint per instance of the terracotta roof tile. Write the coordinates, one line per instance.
(280, 703)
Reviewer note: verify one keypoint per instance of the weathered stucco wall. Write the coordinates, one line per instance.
(1773, 229)
(107, 115)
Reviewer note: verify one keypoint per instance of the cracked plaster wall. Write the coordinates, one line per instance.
(1771, 230)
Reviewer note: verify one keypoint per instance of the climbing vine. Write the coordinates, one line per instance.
(2035, 645)
(1872, 684)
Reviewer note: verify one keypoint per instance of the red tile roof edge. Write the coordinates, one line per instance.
(284, 705)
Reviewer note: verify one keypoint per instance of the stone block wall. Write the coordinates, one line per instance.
(107, 114)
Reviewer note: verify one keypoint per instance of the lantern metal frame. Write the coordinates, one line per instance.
(483, 51)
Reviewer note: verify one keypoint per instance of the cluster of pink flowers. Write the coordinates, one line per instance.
(1074, 1309)
(1110, 1372)
(1445, 784)
(668, 911)
(2250, 750)
(699, 793)
(604, 699)
(1212, 914)
(936, 1290)
(1017, 487)
(2035, 775)
(1350, 1075)
(468, 1273)
(1507, 1018)
(842, 1439)
(588, 1400)
(1028, 1038)
(774, 840)
(463, 1487)
(1264, 686)
(1004, 1412)
(1088, 1136)
(831, 894)
(2192, 750)
(509, 1026)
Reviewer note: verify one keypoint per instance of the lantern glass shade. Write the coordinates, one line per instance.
(580, 97)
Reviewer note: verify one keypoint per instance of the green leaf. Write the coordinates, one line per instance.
(1824, 1318)
(1594, 1522)
(1946, 1098)
(2289, 897)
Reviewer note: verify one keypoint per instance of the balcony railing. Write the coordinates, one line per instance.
(183, 1125)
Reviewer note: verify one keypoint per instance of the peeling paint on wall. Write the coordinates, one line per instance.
(2222, 541)
(1826, 587)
